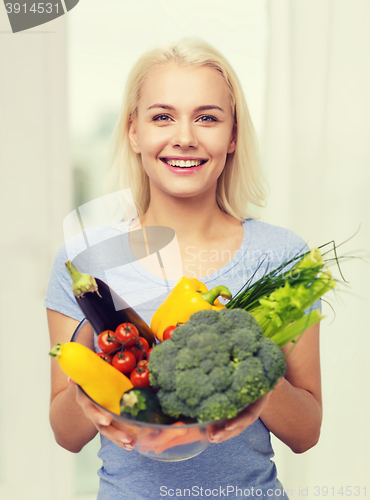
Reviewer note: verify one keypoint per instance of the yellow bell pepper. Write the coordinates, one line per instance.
(188, 296)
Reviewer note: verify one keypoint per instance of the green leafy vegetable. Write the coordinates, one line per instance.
(279, 300)
(214, 365)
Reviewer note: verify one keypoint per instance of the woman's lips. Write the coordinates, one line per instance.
(183, 165)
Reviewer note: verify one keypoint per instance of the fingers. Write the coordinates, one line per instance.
(233, 427)
(280, 382)
(229, 428)
(248, 415)
(104, 422)
(118, 436)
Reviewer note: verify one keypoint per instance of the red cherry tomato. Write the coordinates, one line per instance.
(124, 361)
(167, 334)
(127, 334)
(144, 344)
(140, 349)
(107, 357)
(140, 375)
(107, 342)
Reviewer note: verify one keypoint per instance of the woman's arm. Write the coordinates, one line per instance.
(74, 419)
(72, 429)
(293, 410)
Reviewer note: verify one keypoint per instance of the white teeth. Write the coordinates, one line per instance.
(183, 163)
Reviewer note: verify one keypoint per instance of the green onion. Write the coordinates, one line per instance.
(279, 299)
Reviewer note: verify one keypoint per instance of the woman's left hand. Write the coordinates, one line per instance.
(226, 429)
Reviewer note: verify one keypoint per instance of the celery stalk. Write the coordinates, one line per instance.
(291, 332)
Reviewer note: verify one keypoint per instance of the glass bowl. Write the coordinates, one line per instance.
(170, 443)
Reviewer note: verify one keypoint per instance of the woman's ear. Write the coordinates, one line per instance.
(132, 135)
(232, 144)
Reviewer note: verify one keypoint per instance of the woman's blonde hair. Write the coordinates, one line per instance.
(241, 183)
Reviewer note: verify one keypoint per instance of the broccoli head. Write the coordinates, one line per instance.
(249, 382)
(214, 365)
(272, 359)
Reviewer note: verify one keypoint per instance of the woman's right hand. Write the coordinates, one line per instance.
(104, 421)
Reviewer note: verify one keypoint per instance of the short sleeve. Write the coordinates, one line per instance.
(59, 295)
(296, 246)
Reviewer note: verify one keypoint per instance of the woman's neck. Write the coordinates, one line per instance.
(201, 228)
(193, 218)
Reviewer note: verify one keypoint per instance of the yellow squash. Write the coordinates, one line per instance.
(101, 381)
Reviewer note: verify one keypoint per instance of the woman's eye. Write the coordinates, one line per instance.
(207, 118)
(161, 118)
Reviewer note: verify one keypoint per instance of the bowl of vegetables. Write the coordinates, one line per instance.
(168, 443)
(157, 436)
(216, 361)
(210, 368)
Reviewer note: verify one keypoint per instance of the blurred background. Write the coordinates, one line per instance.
(304, 66)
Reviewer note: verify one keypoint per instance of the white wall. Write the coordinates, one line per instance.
(316, 153)
(35, 195)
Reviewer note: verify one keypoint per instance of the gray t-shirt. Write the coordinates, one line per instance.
(239, 467)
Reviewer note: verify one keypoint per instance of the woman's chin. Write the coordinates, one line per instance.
(182, 190)
(191, 194)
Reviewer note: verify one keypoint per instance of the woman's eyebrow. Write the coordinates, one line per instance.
(212, 106)
(162, 106)
(199, 108)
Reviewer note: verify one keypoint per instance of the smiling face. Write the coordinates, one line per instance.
(183, 129)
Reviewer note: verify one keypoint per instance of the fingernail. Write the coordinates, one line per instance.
(128, 447)
(103, 421)
(214, 438)
(125, 440)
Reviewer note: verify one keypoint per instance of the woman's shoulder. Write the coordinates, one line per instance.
(91, 236)
(266, 234)
(88, 248)
(271, 243)
(92, 251)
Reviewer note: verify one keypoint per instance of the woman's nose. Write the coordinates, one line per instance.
(184, 136)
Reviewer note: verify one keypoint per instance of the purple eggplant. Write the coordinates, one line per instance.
(103, 308)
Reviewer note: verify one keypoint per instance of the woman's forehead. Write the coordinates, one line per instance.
(173, 85)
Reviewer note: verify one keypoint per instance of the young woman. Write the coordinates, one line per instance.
(186, 149)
